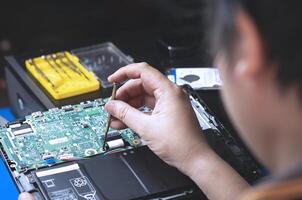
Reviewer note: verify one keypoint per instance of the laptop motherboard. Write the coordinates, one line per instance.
(67, 134)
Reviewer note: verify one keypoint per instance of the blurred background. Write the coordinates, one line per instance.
(140, 28)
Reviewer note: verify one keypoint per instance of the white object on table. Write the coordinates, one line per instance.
(197, 78)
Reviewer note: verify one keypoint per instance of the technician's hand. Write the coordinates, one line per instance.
(171, 130)
(26, 196)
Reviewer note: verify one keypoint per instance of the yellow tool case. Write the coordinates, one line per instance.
(62, 75)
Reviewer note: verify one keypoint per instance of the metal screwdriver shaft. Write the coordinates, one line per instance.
(109, 117)
(33, 63)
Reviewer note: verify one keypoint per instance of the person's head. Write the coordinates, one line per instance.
(257, 46)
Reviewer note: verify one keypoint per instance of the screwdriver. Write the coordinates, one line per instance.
(109, 117)
(33, 63)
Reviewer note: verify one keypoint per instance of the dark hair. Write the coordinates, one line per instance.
(279, 23)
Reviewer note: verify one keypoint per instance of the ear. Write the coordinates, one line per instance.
(250, 53)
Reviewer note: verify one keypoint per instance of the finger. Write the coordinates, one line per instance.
(151, 78)
(133, 93)
(128, 115)
(139, 101)
(130, 89)
(117, 124)
(26, 196)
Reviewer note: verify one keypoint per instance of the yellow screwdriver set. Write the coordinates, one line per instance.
(62, 75)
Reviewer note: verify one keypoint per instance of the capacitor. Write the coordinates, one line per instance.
(114, 144)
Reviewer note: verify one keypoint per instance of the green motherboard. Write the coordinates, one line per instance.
(60, 135)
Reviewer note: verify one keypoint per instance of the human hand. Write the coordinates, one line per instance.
(26, 196)
(172, 130)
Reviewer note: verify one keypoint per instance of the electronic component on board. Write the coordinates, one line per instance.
(114, 140)
(114, 144)
(20, 129)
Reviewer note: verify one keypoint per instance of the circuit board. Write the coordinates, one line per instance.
(60, 135)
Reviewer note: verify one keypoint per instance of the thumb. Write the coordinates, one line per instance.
(130, 116)
(26, 196)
